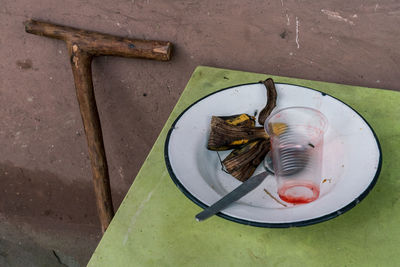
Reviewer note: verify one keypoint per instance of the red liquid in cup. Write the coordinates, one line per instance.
(299, 192)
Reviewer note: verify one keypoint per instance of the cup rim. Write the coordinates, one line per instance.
(324, 119)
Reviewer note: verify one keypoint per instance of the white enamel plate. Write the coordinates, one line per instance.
(351, 157)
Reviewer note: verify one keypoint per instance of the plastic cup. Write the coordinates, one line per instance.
(297, 138)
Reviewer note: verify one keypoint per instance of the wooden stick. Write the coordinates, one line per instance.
(99, 44)
(82, 47)
(81, 69)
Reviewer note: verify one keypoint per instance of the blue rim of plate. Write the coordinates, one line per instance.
(272, 225)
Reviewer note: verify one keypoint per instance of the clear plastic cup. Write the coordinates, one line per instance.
(297, 138)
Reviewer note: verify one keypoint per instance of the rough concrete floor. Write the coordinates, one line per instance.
(47, 207)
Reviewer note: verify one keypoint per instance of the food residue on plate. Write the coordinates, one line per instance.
(326, 180)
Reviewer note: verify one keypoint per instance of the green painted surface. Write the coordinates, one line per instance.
(155, 224)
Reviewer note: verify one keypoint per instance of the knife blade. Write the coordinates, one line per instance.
(236, 194)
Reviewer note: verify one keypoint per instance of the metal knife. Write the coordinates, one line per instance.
(233, 196)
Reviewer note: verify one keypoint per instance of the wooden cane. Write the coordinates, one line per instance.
(82, 47)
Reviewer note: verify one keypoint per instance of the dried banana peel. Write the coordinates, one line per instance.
(277, 128)
(233, 132)
(241, 163)
(271, 100)
(240, 120)
(238, 132)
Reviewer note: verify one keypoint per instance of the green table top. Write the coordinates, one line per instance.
(155, 224)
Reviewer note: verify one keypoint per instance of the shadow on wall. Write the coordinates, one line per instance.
(42, 194)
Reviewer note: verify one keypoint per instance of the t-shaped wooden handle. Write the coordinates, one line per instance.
(82, 47)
